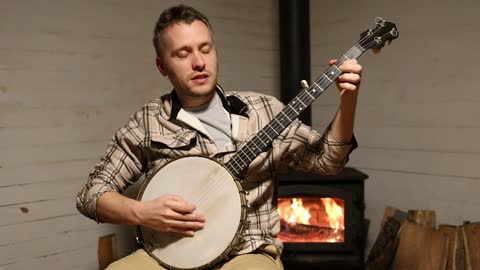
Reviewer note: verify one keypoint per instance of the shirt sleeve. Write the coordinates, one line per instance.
(303, 149)
(120, 167)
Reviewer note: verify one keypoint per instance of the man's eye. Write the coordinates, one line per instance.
(182, 54)
(206, 49)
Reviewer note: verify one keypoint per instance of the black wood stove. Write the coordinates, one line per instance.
(322, 220)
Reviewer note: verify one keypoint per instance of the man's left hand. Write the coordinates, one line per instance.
(349, 80)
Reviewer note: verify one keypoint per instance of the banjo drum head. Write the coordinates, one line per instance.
(206, 184)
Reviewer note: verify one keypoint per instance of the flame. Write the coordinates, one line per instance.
(335, 214)
(296, 213)
(318, 214)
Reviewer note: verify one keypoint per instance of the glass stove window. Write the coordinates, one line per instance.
(311, 219)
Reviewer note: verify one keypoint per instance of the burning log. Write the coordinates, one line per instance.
(320, 232)
(305, 229)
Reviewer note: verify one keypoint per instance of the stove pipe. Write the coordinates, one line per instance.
(294, 17)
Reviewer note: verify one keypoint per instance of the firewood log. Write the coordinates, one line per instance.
(423, 217)
(471, 234)
(451, 233)
(421, 248)
(459, 259)
(383, 250)
(107, 250)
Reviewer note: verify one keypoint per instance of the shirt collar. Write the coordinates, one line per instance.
(231, 103)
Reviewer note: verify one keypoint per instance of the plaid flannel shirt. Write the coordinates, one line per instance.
(162, 131)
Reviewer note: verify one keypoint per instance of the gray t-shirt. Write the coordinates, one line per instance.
(215, 120)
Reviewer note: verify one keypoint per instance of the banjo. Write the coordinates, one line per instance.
(215, 188)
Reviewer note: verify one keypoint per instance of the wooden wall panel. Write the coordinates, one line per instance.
(417, 121)
(73, 72)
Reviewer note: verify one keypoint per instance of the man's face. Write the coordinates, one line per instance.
(189, 61)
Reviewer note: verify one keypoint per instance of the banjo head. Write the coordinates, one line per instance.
(206, 184)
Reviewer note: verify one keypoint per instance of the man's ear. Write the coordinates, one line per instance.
(161, 66)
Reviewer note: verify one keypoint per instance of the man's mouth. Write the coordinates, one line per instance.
(200, 78)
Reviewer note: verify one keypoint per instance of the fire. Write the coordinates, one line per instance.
(296, 213)
(335, 214)
(311, 219)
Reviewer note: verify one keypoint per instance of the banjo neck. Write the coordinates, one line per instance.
(263, 139)
(370, 39)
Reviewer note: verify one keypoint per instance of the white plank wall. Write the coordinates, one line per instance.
(71, 73)
(417, 121)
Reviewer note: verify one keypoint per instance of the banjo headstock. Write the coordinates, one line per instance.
(375, 38)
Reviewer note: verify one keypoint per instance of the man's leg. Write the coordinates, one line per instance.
(135, 261)
(265, 258)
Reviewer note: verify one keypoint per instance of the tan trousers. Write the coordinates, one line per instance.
(264, 258)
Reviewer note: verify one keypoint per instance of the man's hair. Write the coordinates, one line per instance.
(173, 15)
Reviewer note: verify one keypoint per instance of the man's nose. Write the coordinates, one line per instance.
(198, 62)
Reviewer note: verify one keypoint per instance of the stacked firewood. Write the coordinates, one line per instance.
(411, 241)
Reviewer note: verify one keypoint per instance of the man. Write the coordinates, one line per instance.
(199, 117)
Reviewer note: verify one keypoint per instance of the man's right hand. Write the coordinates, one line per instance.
(170, 213)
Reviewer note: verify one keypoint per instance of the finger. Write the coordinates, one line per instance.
(184, 232)
(351, 66)
(332, 62)
(350, 61)
(185, 225)
(185, 217)
(194, 217)
(348, 86)
(172, 197)
(350, 78)
(181, 206)
(176, 203)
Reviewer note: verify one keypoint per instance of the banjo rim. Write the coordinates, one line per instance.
(235, 238)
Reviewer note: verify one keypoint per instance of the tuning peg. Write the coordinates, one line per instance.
(376, 51)
(304, 84)
(389, 42)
